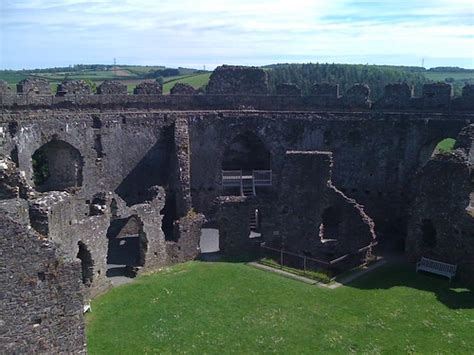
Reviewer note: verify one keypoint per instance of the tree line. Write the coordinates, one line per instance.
(346, 75)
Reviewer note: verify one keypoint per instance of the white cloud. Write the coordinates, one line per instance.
(170, 31)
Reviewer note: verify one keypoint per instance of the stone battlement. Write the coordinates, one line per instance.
(232, 88)
(393, 100)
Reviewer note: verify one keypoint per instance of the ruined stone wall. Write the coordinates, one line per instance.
(41, 300)
(375, 155)
(441, 222)
(234, 89)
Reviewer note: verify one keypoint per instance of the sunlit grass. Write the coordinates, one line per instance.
(231, 307)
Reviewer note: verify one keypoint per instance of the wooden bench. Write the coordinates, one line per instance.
(436, 267)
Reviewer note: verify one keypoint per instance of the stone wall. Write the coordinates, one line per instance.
(442, 214)
(238, 81)
(34, 86)
(41, 301)
(313, 217)
(182, 89)
(73, 87)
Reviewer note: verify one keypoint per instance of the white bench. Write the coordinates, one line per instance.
(436, 267)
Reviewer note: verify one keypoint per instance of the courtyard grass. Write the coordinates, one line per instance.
(224, 308)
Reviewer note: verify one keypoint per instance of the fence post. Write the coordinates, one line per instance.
(304, 264)
(281, 259)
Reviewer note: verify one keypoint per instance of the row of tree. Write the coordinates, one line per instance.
(305, 75)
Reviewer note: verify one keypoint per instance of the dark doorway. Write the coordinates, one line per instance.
(428, 233)
(127, 246)
(330, 225)
(246, 152)
(87, 266)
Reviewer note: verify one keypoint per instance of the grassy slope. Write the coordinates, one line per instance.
(221, 308)
(196, 81)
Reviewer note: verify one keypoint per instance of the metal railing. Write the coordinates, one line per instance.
(262, 177)
(306, 263)
(233, 178)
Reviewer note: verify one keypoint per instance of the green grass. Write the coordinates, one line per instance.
(445, 146)
(319, 275)
(225, 308)
(196, 81)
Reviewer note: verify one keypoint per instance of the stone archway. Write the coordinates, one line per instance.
(57, 166)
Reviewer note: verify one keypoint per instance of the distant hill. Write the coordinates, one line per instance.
(130, 75)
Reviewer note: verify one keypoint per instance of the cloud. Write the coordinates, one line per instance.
(62, 32)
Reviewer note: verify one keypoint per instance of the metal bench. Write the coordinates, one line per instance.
(436, 267)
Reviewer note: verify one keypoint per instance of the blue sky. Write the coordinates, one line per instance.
(45, 33)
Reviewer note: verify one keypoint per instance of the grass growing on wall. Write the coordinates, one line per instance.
(221, 308)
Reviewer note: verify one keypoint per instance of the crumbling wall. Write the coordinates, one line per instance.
(305, 194)
(112, 87)
(74, 87)
(4, 88)
(41, 302)
(238, 80)
(148, 88)
(34, 86)
(182, 89)
(441, 222)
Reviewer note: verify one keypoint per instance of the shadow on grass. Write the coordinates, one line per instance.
(454, 295)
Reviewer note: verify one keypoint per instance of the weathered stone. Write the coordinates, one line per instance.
(34, 86)
(4, 88)
(74, 87)
(182, 89)
(112, 87)
(41, 300)
(357, 96)
(437, 95)
(468, 90)
(396, 96)
(238, 81)
(148, 88)
(442, 213)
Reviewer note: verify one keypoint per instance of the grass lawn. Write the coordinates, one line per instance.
(231, 307)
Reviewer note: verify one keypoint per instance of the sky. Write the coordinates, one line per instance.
(190, 33)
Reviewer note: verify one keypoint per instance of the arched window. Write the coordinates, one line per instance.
(57, 165)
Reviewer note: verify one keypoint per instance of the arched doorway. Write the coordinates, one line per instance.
(57, 166)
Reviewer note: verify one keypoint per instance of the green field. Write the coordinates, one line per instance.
(442, 76)
(195, 81)
(220, 308)
(128, 75)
